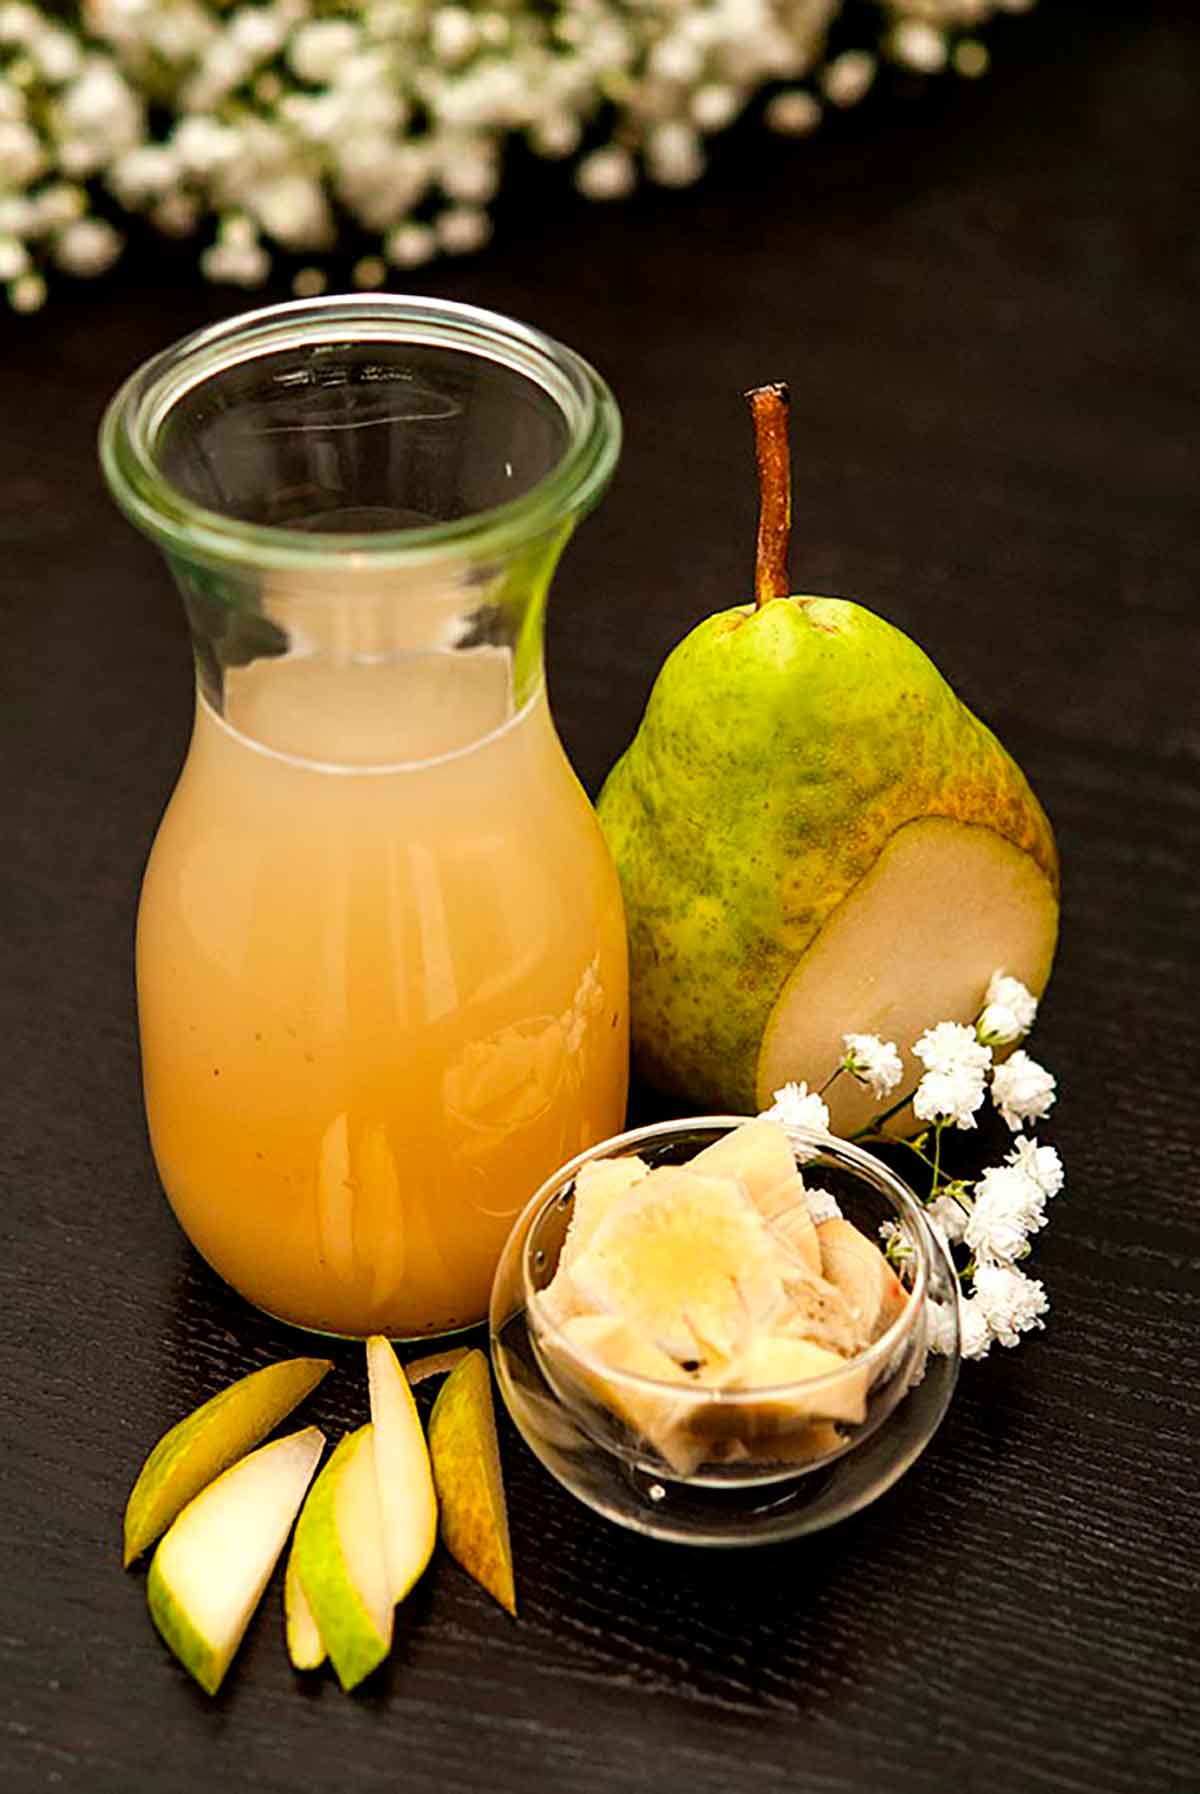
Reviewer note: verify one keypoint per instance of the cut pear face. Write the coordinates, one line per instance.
(210, 1570)
(945, 905)
(305, 1646)
(407, 1502)
(340, 1560)
(205, 1442)
(466, 1473)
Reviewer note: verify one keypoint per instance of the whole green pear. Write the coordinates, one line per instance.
(816, 837)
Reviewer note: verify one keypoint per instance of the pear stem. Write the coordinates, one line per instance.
(769, 406)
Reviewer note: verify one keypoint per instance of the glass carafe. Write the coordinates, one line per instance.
(380, 951)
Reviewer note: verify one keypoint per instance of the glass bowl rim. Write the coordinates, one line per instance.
(135, 415)
(878, 1352)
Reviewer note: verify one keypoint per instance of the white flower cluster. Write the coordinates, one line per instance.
(993, 1219)
(272, 116)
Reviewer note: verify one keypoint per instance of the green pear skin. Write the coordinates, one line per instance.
(208, 1440)
(781, 750)
(340, 1560)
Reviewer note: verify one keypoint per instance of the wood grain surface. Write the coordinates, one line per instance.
(983, 296)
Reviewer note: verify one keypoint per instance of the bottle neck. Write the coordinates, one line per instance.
(364, 667)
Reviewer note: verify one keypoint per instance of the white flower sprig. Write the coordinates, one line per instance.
(267, 120)
(987, 1221)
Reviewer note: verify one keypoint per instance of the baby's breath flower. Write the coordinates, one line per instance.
(950, 1047)
(278, 108)
(897, 1244)
(874, 1062)
(950, 1097)
(22, 157)
(606, 174)
(1008, 1207)
(410, 244)
(821, 1206)
(918, 45)
(714, 106)
(1041, 1163)
(795, 113)
(87, 246)
(974, 1331)
(292, 208)
(847, 78)
(1008, 1012)
(797, 1106)
(236, 263)
(461, 230)
(949, 1215)
(1009, 1301)
(941, 1323)
(14, 258)
(674, 157)
(1022, 1090)
(369, 272)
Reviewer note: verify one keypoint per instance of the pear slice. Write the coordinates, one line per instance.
(407, 1502)
(209, 1572)
(340, 1560)
(918, 937)
(770, 1364)
(759, 1154)
(208, 1440)
(654, 1415)
(854, 1265)
(436, 1364)
(598, 1186)
(305, 1646)
(815, 1310)
(466, 1473)
(785, 1209)
(785, 1412)
(687, 1261)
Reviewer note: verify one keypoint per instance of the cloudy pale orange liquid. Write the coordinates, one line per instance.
(378, 1006)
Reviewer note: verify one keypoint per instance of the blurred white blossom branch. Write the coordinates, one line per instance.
(262, 123)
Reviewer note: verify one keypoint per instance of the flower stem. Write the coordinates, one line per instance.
(877, 1122)
(832, 1078)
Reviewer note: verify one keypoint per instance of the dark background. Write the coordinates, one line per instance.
(984, 297)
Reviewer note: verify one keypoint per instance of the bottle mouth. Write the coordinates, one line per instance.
(363, 430)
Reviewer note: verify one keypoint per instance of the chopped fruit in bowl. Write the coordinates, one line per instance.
(691, 1321)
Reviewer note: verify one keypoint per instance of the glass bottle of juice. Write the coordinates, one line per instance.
(381, 955)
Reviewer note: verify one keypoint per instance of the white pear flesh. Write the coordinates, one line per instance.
(340, 1560)
(208, 1574)
(855, 1265)
(305, 1646)
(945, 905)
(758, 1153)
(656, 1414)
(407, 1501)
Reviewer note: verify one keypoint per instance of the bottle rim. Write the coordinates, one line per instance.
(131, 431)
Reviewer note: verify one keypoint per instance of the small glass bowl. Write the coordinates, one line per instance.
(726, 1467)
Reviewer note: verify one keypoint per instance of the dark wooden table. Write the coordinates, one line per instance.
(985, 300)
